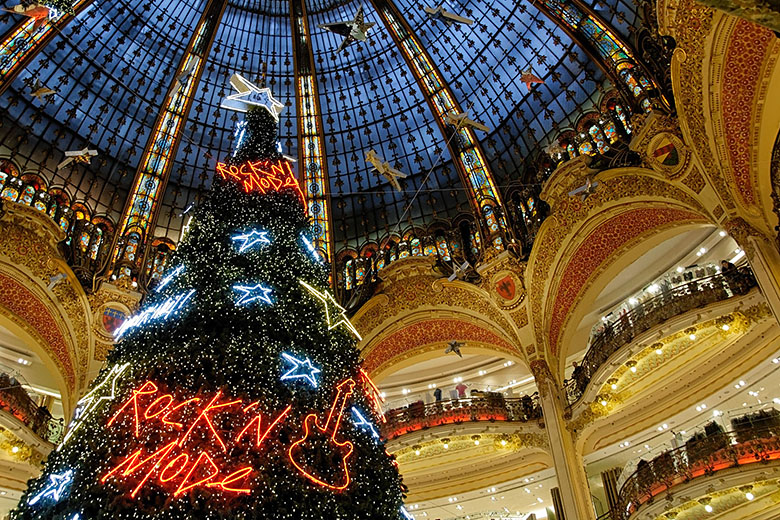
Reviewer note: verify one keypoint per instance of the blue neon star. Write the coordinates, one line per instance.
(55, 488)
(308, 371)
(256, 292)
(362, 422)
(251, 239)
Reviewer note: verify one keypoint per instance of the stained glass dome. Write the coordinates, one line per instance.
(113, 66)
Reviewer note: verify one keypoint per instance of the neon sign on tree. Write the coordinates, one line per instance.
(246, 398)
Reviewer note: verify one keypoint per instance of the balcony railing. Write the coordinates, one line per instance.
(650, 313)
(420, 416)
(15, 400)
(754, 439)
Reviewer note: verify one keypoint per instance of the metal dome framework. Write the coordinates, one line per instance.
(116, 66)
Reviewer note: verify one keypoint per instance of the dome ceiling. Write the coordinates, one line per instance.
(113, 65)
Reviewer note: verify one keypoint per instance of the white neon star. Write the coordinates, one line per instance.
(55, 488)
(330, 302)
(363, 422)
(250, 95)
(252, 238)
(92, 401)
(309, 371)
(251, 293)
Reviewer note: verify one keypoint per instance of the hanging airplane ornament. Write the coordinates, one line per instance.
(462, 120)
(439, 14)
(250, 95)
(184, 77)
(35, 11)
(383, 168)
(529, 78)
(355, 30)
(585, 190)
(80, 156)
(40, 91)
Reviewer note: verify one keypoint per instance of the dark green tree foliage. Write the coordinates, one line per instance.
(213, 345)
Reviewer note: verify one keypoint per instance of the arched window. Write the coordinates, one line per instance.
(416, 250)
(12, 189)
(80, 211)
(348, 280)
(443, 247)
(429, 249)
(587, 148)
(610, 130)
(97, 240)
(131, 246)
(7, 170)
(403, 249)
(573, 152)
(598, 137)
(28, 192)
(360, 270)
(621, 113)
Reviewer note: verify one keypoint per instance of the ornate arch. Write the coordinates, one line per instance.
(582, 243)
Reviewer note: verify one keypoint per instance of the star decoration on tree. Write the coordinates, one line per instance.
(250, 95)
(301, 369)
(363, 423)
(249, 240)
(55, 489)
(255, 292)
(334, 313)
(94, 399)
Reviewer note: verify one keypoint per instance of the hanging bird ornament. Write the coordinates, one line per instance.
(454, 346)
(40, 91)
(529, 78)
(355, 30)
(384, 169)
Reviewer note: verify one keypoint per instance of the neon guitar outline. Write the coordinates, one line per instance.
(311, 422)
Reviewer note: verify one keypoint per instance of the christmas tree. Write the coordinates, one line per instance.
(236, 390)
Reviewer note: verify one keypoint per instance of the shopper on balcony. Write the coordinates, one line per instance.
(437, 394)
(461, 388)
(731, 275)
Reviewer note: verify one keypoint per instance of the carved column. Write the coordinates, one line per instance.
(764, 259)
(569, 468)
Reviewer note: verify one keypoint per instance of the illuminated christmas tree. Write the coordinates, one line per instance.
(236, 390)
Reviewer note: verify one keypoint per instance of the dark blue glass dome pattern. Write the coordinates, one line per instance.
(114, 63)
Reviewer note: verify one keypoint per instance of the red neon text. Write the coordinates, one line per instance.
(261, 176)
(193, 459)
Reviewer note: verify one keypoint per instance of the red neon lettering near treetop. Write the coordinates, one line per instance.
(262, 176)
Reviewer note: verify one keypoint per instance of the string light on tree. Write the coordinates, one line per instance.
(162, 310)
(165, 281)
(300, 369)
